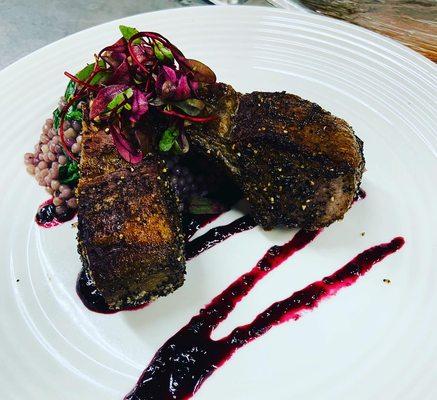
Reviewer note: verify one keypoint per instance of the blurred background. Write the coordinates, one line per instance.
(28, 25)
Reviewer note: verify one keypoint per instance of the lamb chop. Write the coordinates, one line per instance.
(296, 164)
(130, 236)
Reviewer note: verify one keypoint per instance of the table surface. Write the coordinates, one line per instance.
(27, 25)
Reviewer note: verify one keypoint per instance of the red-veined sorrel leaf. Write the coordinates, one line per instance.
(183, 90)
(140, 105)
(126, 150)
(121, 74)
(103, 98)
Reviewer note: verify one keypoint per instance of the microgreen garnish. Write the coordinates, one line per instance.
(128, 32)
(142, 71)
(69, 173)
(162, 53)
(168, 138)
(120, 98)
(85, 72)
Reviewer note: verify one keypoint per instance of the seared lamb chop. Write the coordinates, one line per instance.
(296, 164)
(130, 235)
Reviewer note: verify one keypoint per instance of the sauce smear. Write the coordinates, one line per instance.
(193, 222)
(93, 299)
(217, 235)
(46, 216)
(183, 363)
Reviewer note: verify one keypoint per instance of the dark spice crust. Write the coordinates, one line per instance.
(296, 164)
(130, 230)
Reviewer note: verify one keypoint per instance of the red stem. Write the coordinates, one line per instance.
(79, 82)
(155, 36)
(188, 117)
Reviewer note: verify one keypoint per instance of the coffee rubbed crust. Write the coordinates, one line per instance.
(308, 163)
(296, 164)
(130, 234)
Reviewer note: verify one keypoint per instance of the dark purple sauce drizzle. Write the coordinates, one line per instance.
(93, 299)
(193, 222)
(183, 363)
(217, 235)
(361, 194)
(46, 216)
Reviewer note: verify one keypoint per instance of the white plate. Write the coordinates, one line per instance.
(294, 5)
(371, 341)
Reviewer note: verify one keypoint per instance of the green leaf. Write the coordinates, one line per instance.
(69, 173)
(84, 73)
(158, 53)
(128, 32)
(100, 77)
(119, 98)
(56, 118)
(191, 107)
(168, 138)
(74, 114)
(164, 50)
(69, 91)
(203, 205)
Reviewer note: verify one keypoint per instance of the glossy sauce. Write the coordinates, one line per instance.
(93, 299)
(46, 216)
(217, 235)
(361, 194)
(193, 222)
(183, 363)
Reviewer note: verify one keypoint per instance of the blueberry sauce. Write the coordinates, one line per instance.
(46, 216)
(193, 222)
(217, 235)
(361, 194)
(93, 299)
(183, 363)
